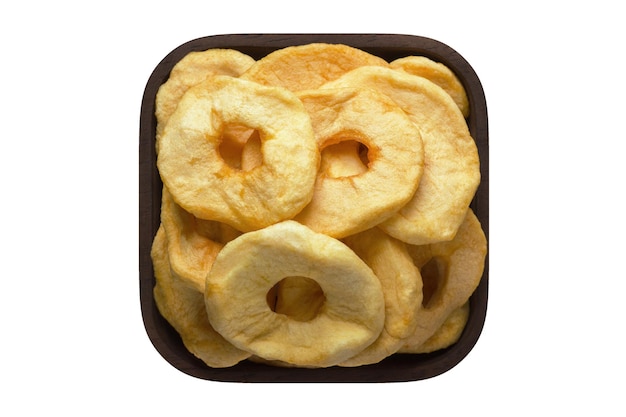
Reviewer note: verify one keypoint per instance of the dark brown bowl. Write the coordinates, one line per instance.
(396, 368)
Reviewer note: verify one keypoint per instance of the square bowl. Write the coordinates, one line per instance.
(397, 367)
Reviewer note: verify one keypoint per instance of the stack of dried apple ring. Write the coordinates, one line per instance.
(315, 206)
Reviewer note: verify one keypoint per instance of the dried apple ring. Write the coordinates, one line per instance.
(437, 73)
(344, 205)
(450, 271)
(305, 67)
(202, 183)
(183, 307)
(192, 69)
(402, 289)
(451, 165)
(249, 266)
(193, 243)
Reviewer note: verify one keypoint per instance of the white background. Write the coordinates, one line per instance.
(72, 79)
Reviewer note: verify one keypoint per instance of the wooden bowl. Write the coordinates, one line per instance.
(396, 368)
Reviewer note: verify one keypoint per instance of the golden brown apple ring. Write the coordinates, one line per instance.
(202, 183)
(402, 288)
(183, 307)
(446, 335)
(437, 73)
(450, 271)
(193, 243)
(249, 266)
(192, 69)
(305, 67)
(451, 165)
(345, 205)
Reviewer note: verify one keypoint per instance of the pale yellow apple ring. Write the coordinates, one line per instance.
(249, 266)
(192, 69)
(451, 165)
(193, 243)
(437, 73)
(305, 67)
(344, 205)
(402, 289)
(457, 268)
(183, 307)
(202, 183)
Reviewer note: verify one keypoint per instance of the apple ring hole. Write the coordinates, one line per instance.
(240, 147)
(299, 298)
(434, 274)
(344, 157)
